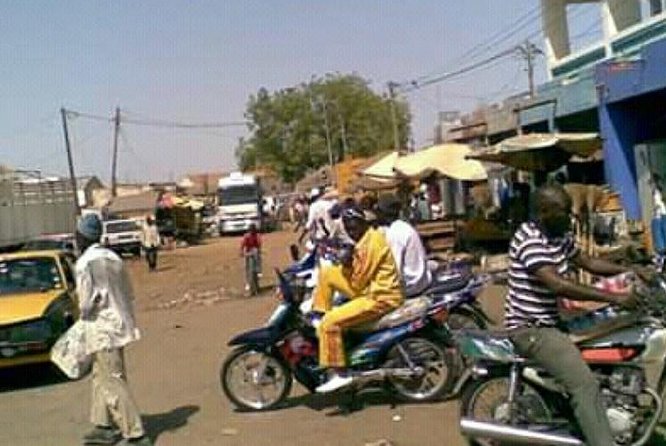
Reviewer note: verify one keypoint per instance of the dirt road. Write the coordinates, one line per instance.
(187, 311)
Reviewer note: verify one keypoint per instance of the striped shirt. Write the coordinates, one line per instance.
(530, 303)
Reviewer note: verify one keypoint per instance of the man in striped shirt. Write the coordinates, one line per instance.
(541, 254)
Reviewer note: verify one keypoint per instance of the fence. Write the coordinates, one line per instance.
(30, 207)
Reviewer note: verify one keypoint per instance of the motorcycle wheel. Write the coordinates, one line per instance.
(461, 318)
(254, 380)
(437, 363)
(486, 400)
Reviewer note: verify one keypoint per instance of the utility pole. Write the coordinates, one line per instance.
(70, 162)
(114, 162)
(394, 117)
(328, 143)
(529, 51)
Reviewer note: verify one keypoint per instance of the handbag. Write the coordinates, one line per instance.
(69, 352)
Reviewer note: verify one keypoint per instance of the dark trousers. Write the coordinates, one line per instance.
(554, 351)
(151, 257)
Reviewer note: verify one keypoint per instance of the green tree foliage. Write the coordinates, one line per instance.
(288, 131)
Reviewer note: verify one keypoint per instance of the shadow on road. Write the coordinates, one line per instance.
(157, 424)
(343, 404)
(29, 377)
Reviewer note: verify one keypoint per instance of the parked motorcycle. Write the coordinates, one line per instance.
(403, 351)
(512, 401)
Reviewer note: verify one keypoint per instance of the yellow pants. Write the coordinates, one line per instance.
(360, 310)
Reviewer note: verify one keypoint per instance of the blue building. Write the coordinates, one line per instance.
(616, 86)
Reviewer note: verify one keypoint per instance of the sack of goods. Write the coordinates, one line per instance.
(69, 352)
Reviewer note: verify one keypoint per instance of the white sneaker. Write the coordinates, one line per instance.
(247, 288)
(336, 382)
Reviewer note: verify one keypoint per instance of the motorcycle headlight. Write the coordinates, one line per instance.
(30, 332)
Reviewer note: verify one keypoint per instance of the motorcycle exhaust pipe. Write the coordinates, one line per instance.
(500, 432)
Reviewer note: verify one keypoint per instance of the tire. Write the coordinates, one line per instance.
(278, 371)
(534, 404)
(430, 355)
(463, 318)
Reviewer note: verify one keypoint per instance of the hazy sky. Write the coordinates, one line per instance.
(198, 61)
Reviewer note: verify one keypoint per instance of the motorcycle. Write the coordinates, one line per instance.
(403, 352)
(510, 400)
(455, 285)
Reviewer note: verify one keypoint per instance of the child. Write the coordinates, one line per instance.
(251, 246)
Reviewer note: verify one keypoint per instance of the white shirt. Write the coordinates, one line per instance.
(106, 300)
(150, 236)
(410, 257)
(319, 211)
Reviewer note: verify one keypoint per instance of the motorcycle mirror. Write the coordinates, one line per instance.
(295, 254)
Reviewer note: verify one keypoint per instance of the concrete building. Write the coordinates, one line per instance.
(615, 86)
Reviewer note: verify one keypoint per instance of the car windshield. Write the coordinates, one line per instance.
(121, 226)
(238, 195)
(46, 245)
(28, 275)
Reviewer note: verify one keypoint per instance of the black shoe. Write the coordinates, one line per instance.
(141, 441)
(102, 435)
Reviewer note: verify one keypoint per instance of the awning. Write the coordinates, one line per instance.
(449, 160)
(539, 151)
(382, 168)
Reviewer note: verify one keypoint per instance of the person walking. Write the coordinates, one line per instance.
(250, 249)
(106, 306)
(151, 243)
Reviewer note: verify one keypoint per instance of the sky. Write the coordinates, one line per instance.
(199, 61)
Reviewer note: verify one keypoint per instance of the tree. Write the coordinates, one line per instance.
(288, 127)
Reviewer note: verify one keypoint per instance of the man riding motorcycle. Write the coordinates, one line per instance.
(369, 278)
(540, 253)
(408, 250)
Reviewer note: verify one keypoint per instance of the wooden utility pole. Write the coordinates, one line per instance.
(114, 163)
(70, 162)
(327, 129)
(529, 51)
(394, 117)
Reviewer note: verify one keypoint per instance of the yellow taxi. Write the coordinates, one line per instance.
(37, 304)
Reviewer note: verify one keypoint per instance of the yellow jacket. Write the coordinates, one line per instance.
(373, 272)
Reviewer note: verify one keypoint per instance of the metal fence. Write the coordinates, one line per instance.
(30, 207)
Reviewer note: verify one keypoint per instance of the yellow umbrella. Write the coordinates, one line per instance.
(382, 168)
(449, 160)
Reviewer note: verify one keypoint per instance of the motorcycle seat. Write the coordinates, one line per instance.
(411, 310)
(450, 283)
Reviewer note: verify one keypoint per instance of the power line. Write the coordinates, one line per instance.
(414, 85)
(484, 46)
(158, 122)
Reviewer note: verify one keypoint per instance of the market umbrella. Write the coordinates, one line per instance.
(540, 151)
(449, 160)
(382, 168)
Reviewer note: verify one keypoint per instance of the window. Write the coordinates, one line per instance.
(67, 263)
(121, 226)
(29, 275)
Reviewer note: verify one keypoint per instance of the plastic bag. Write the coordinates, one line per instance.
(69, 352)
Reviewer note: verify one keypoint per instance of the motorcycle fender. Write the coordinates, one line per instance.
(261, 336)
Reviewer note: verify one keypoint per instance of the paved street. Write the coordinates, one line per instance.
(188, 311)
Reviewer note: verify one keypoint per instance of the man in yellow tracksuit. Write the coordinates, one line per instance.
(371, 281)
